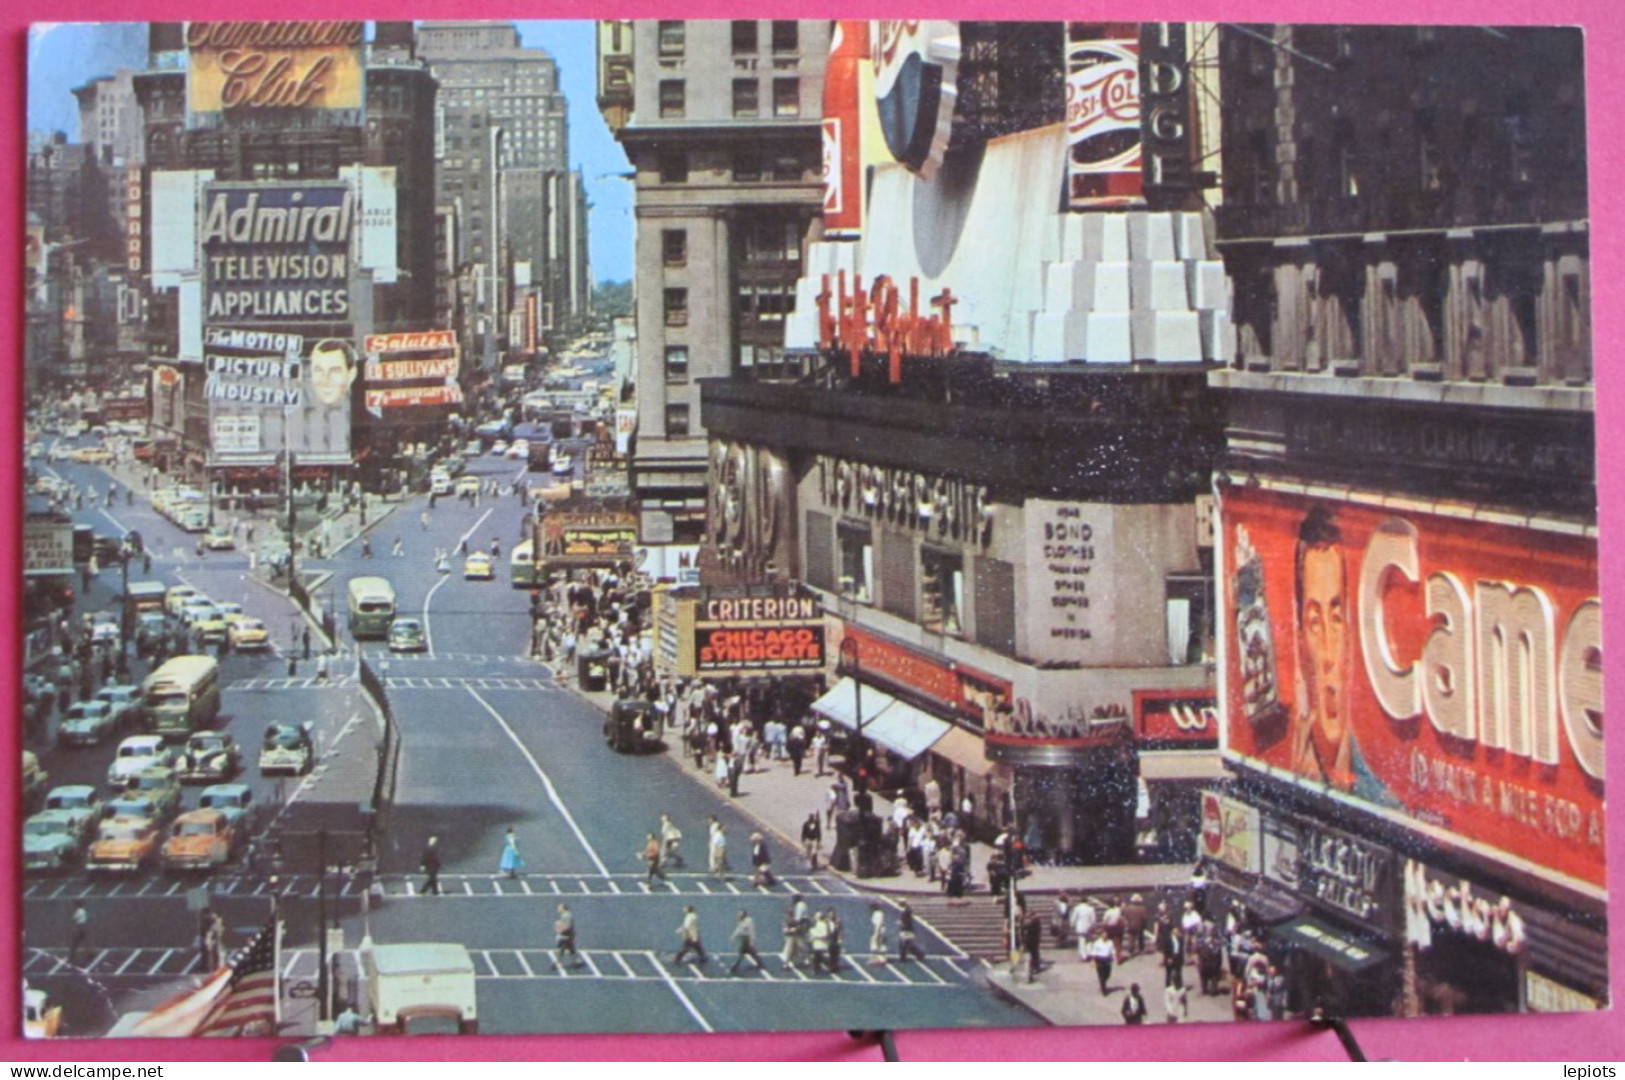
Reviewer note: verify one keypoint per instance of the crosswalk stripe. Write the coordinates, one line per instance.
(510, 964)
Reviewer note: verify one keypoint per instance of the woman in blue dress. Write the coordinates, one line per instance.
(511, 862)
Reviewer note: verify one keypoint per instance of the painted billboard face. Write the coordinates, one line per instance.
(1443, 671)
(332, 370)
(1322, 737)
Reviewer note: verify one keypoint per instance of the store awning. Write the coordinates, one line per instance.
(963, 749)
(1180, 765)
(839, 704)
(1332, 945)
(903, 729)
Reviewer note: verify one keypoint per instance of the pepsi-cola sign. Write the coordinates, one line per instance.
(916, 67)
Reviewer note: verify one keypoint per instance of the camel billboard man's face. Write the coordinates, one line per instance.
(1325, 640)
(332, 372)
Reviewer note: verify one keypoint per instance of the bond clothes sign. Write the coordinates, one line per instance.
(1442, 672)
(273, 65)
(277, 252)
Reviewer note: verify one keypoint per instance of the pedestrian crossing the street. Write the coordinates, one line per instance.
(476, 886)
(299, 967)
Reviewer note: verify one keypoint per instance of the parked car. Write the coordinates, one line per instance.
(236, 801)
(209, 757)
(199, 840)
(124, 844)
(286, 748)
(86, 724)
(406, 635)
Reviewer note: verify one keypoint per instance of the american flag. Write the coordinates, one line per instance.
(241, 998)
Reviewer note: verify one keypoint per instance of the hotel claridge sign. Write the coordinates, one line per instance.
(684, 525)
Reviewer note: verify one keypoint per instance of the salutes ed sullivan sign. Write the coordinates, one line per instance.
(1442, 671)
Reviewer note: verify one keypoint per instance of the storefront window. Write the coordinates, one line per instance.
(857, 563)
(942, 592)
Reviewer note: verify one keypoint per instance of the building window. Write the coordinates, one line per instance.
(942, 592)
(674, 247)
(785, 36)
(745, 91)
(676, 363)
(1188, 630)
(747, 165)
(672, 32)
(672, 98)
(676, 421)
(744, 34)
(673, 167)
(676, 307)
(787, 97)
(857, 563)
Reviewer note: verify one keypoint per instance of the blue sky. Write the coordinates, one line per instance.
(64, 55)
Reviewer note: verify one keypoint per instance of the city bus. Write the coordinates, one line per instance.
(522, 566)
(182, 696)
(372, 607)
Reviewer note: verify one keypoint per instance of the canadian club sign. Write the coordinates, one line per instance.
(274, 65)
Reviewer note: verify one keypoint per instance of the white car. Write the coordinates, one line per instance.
(135, 754)
(196, 607)
(519, 450)
(499, 448)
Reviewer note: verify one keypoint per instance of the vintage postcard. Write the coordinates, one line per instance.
(699, 526)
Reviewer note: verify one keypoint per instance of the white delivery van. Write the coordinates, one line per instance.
(417, 985)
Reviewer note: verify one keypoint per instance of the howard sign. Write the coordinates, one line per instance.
(1443, 672)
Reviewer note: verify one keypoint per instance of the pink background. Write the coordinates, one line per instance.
(1592, 1037)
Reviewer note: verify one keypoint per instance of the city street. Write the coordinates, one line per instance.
(490, 742)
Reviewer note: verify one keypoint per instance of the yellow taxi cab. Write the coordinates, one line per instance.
(478, 567)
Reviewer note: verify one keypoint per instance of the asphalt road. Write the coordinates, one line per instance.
(491, 743)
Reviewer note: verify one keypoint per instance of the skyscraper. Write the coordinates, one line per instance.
(502, 135)
(721, 121)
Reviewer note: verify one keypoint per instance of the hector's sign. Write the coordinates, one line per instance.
(1441, 671)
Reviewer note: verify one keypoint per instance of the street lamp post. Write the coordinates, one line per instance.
(852, 664)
